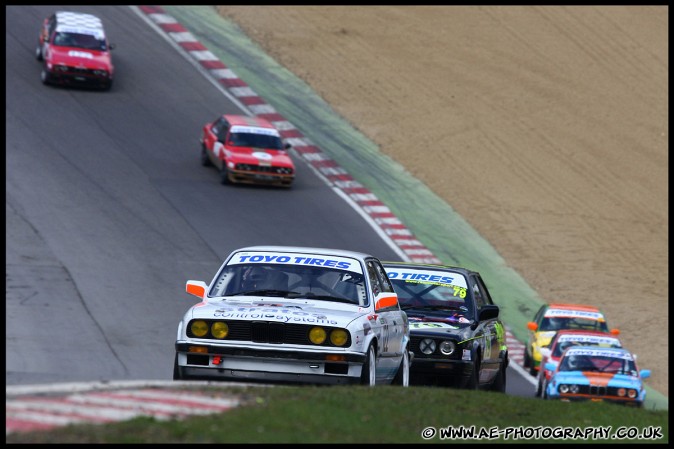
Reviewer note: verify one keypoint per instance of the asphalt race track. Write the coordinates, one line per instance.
(109, 211)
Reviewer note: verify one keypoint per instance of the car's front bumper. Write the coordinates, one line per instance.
(585, 398)
(269, 364)
(252, 177)
(440, 371)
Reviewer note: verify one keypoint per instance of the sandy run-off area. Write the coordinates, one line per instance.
(545, 127)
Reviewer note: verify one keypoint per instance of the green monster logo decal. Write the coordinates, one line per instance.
(500, 335)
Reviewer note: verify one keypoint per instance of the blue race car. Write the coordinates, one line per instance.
(597, 374)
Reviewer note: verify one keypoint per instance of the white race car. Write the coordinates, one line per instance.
(295, 314)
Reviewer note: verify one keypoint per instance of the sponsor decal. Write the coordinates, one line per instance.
(262, 156)
(599, 353)
(427, 325)
(574, 314)
(254, 130)
(80, 54)
(427, 277)
(282, 314)
(590, 339)
(342, 263)
(466, 354)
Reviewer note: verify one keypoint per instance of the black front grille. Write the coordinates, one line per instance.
(593, 390)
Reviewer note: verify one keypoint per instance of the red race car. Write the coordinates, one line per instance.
(247, 150)
(75, 51)
(565, 339)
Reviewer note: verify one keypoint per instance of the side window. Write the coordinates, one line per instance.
(477, 295)
(375, 285)
(483, 288)
(386, 285)
(223, 130)
(51, 27)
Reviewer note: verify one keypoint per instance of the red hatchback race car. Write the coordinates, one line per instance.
(75, 51)
(247, 150)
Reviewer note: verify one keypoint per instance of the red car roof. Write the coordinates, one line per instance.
(573, 307)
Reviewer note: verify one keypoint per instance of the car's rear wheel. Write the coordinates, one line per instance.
(368, 373)
(205, 160)
(527, 360)
(403, 375)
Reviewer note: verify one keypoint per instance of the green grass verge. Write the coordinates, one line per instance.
(358, 414)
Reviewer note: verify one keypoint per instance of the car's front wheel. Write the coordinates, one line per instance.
(403, 375)
(224, 175)
(368, 373)
(474, 380)
(499, 384)
(177, 372)
(205, 160)
(44, 76)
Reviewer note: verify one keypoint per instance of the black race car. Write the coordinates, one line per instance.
(456, 335)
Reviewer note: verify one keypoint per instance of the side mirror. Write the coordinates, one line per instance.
(488, 312)
(287, 146)
(111, 46)
(196, 288)
(532, 326)
(645, 373)
(615, 332)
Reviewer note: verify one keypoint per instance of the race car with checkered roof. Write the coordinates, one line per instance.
(456, 335)
(295, 314)
(74, 51)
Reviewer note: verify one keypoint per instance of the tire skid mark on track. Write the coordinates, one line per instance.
(34, 413)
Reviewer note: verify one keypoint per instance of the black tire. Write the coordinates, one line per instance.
(539, 387)
(367, 374)
(403, 375)
(224, 175)
(107, 85)
(177, 373)
(527, 360)
(474, 380)
(499, 384)
(205, 160)
(533, 371)
(44, 76)
(38, 52)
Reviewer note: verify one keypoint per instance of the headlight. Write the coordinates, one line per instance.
(101, 72)
(563, 388)
(632, 394)
(199, 328)
(427, 346)
(219, 329)
(338, 337)
(447, 347)
(574, 388)
(317, 335)
(622, 392)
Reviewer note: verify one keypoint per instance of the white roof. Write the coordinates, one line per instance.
(309, 250)
(78, 20)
